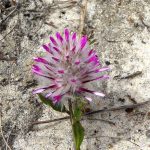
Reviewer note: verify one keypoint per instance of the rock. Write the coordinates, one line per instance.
(121, 35)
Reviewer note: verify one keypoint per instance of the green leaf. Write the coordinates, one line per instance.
(58, 107)
(78, 132)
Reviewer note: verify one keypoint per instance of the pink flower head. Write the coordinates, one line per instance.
(68, 65)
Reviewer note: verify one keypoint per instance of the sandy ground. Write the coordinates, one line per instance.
(121, 30)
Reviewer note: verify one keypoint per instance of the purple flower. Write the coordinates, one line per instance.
(68, 65)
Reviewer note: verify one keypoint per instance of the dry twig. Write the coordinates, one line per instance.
(7, 33)
(119, 108)
(82, 17)
(94, 112)
(142, 20)
(1, 130)
(130, 76)
(13, 11)
(106, 121)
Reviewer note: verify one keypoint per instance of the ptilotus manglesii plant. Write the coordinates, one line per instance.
(64, 74)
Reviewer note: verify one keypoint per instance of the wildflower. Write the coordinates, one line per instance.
(68, 65)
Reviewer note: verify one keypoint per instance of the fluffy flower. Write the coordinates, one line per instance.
(68, 65)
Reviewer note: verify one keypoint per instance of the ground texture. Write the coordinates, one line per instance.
(121, 33)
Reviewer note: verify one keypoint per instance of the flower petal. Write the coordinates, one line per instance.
(39, 72)
(66, 34)
(91, 52)
(46, 48)
(101, 69)
(36, 91)
(53, 41)
(97, 78)
(73, 49)
(57, 50)
(77, 62)
(57, 98)
(61, 71)
(39, 59)
(93, 59)
(98, 70)
(56, 59)
(40, 90)
(59, 37)
(35, 67)
(92, 92)
(74, 36)
(49, 94)
(99, 94)
(88, 98)
(83, 42)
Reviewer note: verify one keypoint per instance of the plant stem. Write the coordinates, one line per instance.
(71, 119)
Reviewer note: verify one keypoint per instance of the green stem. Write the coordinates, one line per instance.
(71, 120)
